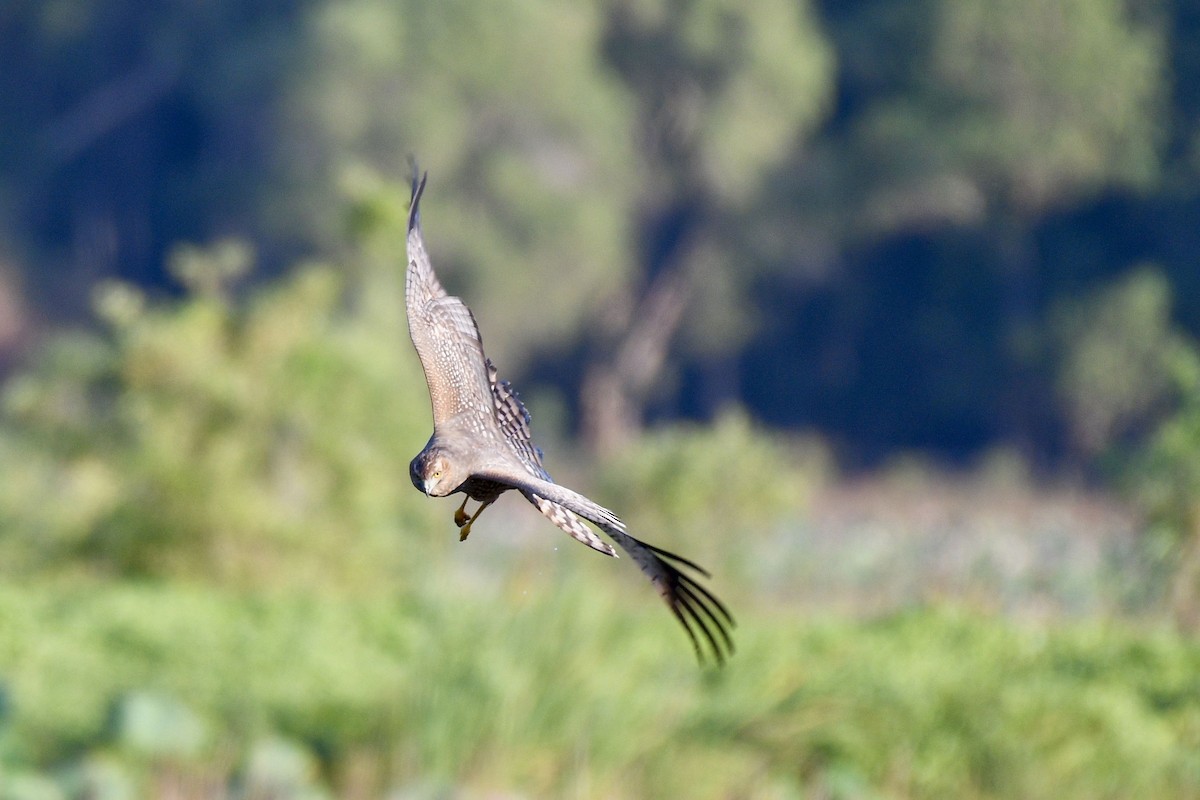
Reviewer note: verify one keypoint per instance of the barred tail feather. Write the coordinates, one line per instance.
(690, 602)
(697, 609)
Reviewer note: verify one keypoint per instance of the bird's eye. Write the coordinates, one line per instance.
(437, 473)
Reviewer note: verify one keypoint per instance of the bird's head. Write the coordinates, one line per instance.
(433, 473)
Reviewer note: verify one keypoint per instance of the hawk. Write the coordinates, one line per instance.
(481, 446)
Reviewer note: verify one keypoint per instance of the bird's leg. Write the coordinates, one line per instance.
(466, 528)
(460, 516)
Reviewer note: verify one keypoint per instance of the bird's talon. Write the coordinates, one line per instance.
(464, 522)
(460, 516)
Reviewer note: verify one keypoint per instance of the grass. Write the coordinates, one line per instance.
(570, 689)
(912, 637)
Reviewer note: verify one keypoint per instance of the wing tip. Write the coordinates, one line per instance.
(418, 188)
(691, 602)
(705, 619)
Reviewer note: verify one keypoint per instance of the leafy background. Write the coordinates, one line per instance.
(885, 312)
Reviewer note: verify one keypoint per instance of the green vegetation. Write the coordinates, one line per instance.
(565, 689)
(246, 446)
(955, 227)
(218, 583)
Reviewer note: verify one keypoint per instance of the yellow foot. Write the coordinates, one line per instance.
(464, 523)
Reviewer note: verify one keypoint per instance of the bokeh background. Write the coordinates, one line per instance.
(885, 311)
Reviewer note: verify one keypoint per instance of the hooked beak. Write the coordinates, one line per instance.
(427, 486)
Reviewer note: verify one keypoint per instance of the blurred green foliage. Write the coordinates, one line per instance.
(237, 443)
(1167, 480)
(531, 162)
(1044, 101)
(215, 580)
(218, 583)
(1132, 379)
(716, 492)
(572, 695)
(1120, 350)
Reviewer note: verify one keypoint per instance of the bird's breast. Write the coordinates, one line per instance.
(482, 489)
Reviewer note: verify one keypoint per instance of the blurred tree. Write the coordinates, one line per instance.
(1183, 151)
(202, 441)
(1131, 381)
(127, 126)
(723, 91)
(633, 191)
(525, 138)
(1166, 478)
(957, 109)
(1119, 348)
(958, 126)
(540, 158)
(1037, 104)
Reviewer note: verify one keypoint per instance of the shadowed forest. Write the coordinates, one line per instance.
(887, 312)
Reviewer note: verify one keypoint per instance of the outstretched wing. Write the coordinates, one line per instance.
(513, 418)
(688, 600)
(567, 520)
(694, 606)
(443, 331)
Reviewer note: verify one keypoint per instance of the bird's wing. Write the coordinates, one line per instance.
(692, 604)
(566, 519)
(513, 418)
(444, 333)
(688, 600)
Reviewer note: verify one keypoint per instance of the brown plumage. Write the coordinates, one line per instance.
(481, 446)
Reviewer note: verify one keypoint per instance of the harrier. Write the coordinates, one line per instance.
(481, 446)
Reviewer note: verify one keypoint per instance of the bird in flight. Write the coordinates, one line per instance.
(481, 447)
